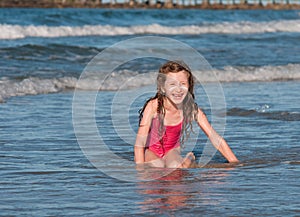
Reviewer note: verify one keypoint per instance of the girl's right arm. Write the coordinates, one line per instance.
(142, 134)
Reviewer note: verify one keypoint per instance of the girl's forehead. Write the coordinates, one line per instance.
(178, 76)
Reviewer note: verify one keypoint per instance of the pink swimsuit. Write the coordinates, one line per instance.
(171, 138)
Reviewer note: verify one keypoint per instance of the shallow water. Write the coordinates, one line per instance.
(44, 172)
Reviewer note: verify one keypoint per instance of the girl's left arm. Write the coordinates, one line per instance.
(219, 143)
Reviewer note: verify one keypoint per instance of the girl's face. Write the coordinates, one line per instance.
(176, 86)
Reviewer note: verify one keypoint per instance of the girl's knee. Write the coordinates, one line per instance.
(173, 159)
(157, 163)
(174, 164)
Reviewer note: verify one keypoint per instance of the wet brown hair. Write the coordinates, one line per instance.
(190, 108)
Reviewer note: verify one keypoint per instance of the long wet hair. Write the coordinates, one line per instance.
(190, 108)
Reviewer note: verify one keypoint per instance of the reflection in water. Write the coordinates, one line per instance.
(180, 189)
(165, 193)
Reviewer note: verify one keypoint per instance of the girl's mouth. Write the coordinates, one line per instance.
(177, 96)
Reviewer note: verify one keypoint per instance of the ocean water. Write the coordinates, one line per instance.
(47, 170)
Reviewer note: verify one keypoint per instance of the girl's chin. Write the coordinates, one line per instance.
(177, 101)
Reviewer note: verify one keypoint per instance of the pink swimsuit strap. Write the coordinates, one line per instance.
(161, 143)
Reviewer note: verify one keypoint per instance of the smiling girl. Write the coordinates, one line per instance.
(166, 121)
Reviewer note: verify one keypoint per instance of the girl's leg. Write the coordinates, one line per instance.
(153, 160)
(173, 159)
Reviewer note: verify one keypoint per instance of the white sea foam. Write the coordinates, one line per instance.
(245, 27)
(127, 80)
(263, 73)
(34, 86)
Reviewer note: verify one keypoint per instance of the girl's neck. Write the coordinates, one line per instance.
(173, 113)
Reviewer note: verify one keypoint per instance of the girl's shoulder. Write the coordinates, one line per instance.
(151, 107)
(200, 114)
(200, 111)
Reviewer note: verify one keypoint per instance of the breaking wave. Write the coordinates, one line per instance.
(244, 27)
(123, 80)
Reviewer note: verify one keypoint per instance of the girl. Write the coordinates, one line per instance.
(166, 121)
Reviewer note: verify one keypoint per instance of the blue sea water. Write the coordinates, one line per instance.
(44, 171)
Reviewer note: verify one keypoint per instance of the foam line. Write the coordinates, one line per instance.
(18, 31)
